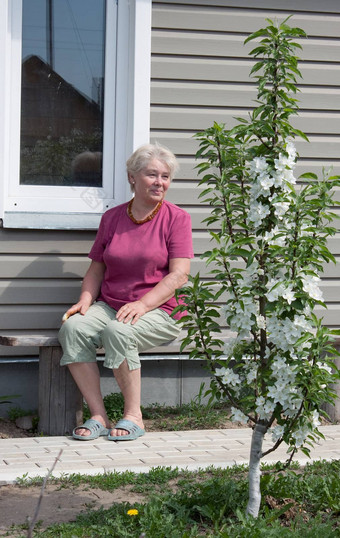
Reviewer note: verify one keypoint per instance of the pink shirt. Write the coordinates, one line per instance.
(137, 255)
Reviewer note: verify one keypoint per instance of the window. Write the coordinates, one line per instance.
(75, 103)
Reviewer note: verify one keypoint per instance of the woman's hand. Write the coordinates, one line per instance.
(81, 307)
(131, 312)
(89, 290)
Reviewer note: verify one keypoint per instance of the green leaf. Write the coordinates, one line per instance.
(308, 175)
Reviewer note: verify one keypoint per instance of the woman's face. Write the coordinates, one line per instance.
(151, 183)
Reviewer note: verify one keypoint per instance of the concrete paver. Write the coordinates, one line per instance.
(192, 450)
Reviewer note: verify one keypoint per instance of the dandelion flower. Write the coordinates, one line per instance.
(132, 512)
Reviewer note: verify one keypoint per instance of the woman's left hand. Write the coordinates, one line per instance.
(131, 312)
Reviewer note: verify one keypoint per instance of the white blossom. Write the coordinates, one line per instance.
(284, 333)
(281, 209)
(264, 408)
(228, 376)
(315, 419)
(266, 182)
(251, 375)
(300, 436)
(257, 212)
(277, 432)
(291, 150)
(278, 363)
(310, 286)
(261, 322)
(275, 237)
(275, 290)
(241, 317)
(238, 416)
(258, 166)
(288, 294)
(324, 366)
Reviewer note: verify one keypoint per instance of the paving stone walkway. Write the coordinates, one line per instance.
(34, 456)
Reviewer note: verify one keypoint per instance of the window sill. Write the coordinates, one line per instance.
(51, 221)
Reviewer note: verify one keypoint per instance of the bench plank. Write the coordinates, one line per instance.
(50, 338)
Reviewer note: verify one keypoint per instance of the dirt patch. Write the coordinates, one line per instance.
(18, 505)
(9, 430)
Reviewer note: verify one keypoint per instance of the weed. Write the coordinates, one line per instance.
(114, 405)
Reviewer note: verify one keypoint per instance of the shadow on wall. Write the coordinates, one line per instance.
(36, 296)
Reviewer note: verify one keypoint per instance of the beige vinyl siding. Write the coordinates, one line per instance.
(200, 74)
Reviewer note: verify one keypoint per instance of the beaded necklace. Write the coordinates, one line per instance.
(149, 217)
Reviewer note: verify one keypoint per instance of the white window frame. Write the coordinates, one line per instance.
(126, 122)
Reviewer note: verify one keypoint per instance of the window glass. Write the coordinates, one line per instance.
(62, 97)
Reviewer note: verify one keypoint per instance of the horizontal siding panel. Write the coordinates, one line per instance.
(187, 169)
(327, 147)
(234, 70)
(21, 266)
(184, 194)
(39, 317)
(227, 45)
(197, 119)
(234, 95)
(199, 44)
(39, 291)
(329, 288)
(198, 214)
(240, 20)
(202, 242)
(49, 242)
(331, 270)
(327, 6)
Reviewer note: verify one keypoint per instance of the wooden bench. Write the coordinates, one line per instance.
(60, 403)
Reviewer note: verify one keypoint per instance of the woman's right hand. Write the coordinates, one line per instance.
(89, 290)
(81, 307)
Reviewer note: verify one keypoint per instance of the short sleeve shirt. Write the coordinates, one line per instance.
(137, 256)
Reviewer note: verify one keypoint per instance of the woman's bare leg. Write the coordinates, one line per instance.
(87, 377)
(129, 382)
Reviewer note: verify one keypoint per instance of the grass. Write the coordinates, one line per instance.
(298, 503)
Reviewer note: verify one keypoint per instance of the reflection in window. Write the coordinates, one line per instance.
(62, 92)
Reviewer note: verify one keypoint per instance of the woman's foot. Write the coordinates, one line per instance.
(120, 432)
(85, 432)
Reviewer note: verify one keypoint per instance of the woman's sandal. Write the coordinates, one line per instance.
(95, 428)
(134, 431)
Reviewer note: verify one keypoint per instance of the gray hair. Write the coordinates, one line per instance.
(143, 155)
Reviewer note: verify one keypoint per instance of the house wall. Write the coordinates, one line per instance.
(200, 74)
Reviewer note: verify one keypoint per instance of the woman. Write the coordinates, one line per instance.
(140, 256)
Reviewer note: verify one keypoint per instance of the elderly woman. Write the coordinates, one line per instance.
(140, 256)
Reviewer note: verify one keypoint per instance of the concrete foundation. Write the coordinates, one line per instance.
(167, 382)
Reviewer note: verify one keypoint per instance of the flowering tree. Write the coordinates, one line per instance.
(270, 237)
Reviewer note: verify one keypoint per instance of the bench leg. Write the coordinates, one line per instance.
(60, 401)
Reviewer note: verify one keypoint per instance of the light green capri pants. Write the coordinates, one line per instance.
(81, 336)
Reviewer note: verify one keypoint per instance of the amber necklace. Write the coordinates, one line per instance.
(149, 217)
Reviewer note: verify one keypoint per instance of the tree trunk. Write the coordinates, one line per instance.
(254, 500)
